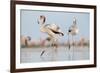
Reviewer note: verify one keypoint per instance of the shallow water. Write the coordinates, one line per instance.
(28, 55)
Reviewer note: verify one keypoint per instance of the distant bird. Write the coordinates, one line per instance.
(73, 30)
(27, 40)
(51, 29)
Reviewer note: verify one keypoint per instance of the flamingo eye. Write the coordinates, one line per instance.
(42, 17)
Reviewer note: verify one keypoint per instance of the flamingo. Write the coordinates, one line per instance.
(51, 30)
(27, 39)
(73, 30)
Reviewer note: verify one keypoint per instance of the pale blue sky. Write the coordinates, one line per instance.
(30, 27)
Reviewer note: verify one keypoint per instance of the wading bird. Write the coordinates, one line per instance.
(51, 29)
(27, 40)
(73, 30)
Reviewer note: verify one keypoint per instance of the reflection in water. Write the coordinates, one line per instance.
(42, 58)
(53, 54)
(69, 55)
(28, 55)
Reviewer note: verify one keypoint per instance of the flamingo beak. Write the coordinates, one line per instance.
(62, 34)
(38, 22)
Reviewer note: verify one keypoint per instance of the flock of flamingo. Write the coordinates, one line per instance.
(52, 30)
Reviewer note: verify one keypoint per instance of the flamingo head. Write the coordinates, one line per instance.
(74, 20)
(42, 19)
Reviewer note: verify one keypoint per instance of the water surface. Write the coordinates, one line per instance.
(29, 55)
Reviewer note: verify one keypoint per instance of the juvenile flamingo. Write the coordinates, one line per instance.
(73, 30)
(51, 29)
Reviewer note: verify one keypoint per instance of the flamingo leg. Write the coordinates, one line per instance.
(45, 50)
(73, 47)
(69, 46)
(72, 41)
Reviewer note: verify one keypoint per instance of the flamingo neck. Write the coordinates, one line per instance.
(42, 25)
(42, 28)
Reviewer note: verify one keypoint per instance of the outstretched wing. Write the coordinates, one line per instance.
(54, 27)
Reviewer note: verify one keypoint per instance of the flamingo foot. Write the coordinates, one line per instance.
(42, 52)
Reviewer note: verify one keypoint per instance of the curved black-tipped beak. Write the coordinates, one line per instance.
(62, 34)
